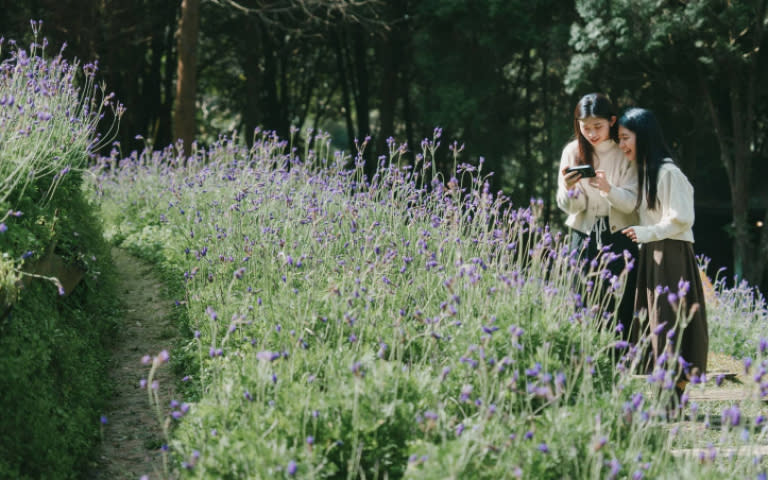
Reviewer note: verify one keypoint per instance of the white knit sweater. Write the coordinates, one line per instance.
(674, 215)
(584, 203)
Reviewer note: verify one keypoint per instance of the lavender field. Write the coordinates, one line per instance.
(406, 326)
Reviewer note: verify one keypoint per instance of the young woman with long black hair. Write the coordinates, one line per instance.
(669, 285)
(600, 207)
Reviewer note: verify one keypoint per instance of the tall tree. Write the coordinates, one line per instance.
(490, 73)
(184, 125)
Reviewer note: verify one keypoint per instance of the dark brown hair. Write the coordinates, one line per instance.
(592, 105)
(651, 151)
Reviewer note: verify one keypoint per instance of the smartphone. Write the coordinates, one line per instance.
(586, 171)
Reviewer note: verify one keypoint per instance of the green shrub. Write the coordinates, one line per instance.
(54, 367)
(54, 343)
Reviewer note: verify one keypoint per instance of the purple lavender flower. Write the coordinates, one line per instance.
(621, 344)
(490, 329)
(357, 369)
(672, 298)
(267, 356)
(719, 379)
(533, 372)
(615, 468)
(732, 416)
(466, 391)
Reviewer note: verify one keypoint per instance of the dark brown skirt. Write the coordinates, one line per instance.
(662, 266)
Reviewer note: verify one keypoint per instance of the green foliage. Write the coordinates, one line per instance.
(53, 371)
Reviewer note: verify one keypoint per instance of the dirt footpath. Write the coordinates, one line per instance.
(132, 434)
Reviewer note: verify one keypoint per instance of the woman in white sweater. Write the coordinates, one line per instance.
(600, 207)
(669, 286)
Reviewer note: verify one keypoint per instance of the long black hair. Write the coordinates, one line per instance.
(592, 105)
(651, 151)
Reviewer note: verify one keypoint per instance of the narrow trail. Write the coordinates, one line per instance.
(132, 436)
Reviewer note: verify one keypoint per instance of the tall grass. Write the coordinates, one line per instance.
(50, 114)
(42, 101)
(403, 326)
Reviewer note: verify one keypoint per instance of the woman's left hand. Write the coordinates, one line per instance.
(600, 182)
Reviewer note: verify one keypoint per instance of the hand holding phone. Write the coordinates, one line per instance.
(586, 171)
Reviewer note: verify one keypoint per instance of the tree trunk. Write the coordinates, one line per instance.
(410, 135)
(165, 122)
(530, 172)
(184, 127)
(252, 51)
(362, 97)
(549, 173)
(405, 77)
(388, 93)
(391, 52)
(342, 71)
(153, 79)
(270, 80)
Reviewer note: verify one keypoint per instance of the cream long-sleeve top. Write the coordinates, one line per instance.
(584, 203)
(674, 214)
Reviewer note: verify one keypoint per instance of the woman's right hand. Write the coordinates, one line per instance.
(571, 179)
(630, 233)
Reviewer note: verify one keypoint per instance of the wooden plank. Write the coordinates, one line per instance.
(719, 395)
(722, 452)
(727, 375)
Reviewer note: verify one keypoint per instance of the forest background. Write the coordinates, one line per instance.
(500, 77)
